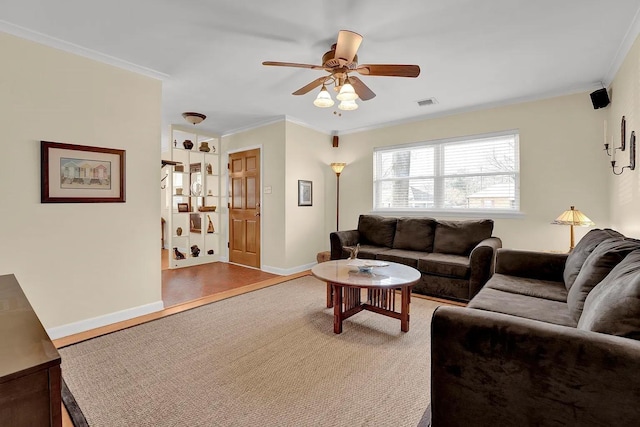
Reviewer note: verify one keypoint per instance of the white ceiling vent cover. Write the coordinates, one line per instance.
(428, 101)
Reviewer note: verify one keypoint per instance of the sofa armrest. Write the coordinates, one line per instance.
(482, 263)
(340, 239)
(531, 264)
(494, 369)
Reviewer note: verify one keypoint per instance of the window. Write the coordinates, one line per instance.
(478, 173)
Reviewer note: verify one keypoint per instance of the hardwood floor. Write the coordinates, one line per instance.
(186, 284)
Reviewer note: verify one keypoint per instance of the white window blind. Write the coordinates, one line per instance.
(477, 173)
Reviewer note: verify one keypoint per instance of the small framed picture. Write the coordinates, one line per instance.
(81, 174)
(305, 193)
(183, 207)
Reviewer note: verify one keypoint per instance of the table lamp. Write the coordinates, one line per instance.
(573, 217)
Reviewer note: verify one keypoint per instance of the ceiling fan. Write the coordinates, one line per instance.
(339, 62)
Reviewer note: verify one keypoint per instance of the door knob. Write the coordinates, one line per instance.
(258, 214)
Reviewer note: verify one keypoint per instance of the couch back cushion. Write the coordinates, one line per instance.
(596, 267)
(377, 230)
(415, 234)
(460, 237)
(613, 306)
(583, 249)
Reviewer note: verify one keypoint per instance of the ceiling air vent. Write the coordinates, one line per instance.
(428, 101)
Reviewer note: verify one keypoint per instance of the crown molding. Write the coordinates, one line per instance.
(479, 107)
(282, 118)
(255, 125)
(55, 43)
(623, 49)
(299, 122)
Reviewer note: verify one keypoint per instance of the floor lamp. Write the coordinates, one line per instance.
(573, 217)
(337, 168)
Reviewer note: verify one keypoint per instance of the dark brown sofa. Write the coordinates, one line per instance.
(551, 339)
(455, 258)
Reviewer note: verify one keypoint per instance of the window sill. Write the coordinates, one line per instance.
(450, 213)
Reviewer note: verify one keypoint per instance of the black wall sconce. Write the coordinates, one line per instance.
(632, 155)
(622, 147)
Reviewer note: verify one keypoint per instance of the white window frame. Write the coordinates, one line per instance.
(439, 180)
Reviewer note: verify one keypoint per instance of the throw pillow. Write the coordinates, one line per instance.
(579, 254)
(595, 268)
(377, 230)
(460, 237)
(613, 306)
(415, 234)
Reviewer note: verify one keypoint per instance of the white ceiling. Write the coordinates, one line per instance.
(472, 53)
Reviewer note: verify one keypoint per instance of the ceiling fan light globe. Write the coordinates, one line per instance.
(347, 93)
(323, 100)
(349, 105)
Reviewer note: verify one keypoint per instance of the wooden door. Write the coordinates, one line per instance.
(244, 208)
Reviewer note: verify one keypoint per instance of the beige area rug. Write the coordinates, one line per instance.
(266, 358)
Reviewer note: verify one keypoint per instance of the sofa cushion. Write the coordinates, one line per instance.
(371, 252)
(546, 289)
(445, 265)
(598, 264)
(377, 230)
(460, 237)
(613, 306)
(583, 249)
(402, 256)
(415, 234)
(544, 310)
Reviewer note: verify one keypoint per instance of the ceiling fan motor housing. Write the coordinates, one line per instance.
(329, 60)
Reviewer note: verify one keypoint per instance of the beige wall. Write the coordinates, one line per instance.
(308, 158)
(561, 164)
(78, 261)
(624, 190)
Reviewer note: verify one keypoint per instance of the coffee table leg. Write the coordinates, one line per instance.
(404, 311)
(329, 295)
(337, 309)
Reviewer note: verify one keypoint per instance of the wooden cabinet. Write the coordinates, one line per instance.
(194, 193)
(30, 379)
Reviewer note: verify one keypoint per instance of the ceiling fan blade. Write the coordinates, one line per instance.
(392, 70)
(347, 46)
(361, 89)
(293, 64)
(314, 84)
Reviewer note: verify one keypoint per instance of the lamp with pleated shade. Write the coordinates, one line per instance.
(573, 217)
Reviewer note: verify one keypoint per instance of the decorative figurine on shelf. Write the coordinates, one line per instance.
(175, 143)
(210, 226)
(354, 251)
(179, 231)
(178, 191)
(210, 252)
(177, 254)
(195, 251)
(209, 169)
(204, 146)
(187, 144)
(196, 188)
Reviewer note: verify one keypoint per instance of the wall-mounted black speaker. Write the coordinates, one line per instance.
(600, 98)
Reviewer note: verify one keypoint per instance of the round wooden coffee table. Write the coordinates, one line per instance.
(344, 283)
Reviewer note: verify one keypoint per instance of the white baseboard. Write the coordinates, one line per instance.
(107, 319)
(287, 271)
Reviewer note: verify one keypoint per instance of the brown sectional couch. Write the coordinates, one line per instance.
(455, 258)
(551, 339)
